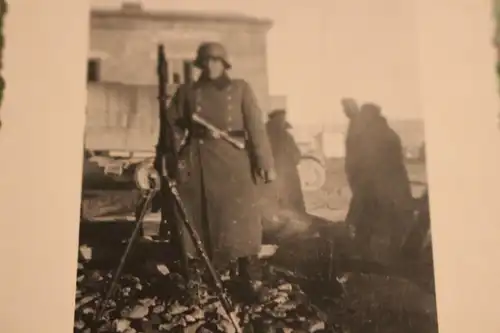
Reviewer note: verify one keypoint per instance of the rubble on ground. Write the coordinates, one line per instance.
(156, 302)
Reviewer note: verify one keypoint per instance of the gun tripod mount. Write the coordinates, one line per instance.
(142, 209)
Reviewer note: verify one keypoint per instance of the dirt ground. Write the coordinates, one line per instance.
(332, 201)
(375, 303)
(371, 302)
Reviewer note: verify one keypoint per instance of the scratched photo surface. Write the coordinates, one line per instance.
(254, 168)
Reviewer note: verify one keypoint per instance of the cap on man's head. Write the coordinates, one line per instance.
(277, 113)
(350, 107)
(212, 50)
(371, 109)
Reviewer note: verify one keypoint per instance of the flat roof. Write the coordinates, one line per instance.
(134, 11)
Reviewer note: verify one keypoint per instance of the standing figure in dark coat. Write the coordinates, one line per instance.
(382, 201)
(218, 181)
(286, 159)
(419, 236)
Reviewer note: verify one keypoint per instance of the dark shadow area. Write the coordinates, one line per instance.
(99, 203)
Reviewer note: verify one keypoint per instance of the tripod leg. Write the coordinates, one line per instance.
(171, 228)
(123, 259)
(144, 203)
(179, 243)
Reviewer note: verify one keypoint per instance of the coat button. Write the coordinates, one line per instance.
(200, 141)
(229, 97)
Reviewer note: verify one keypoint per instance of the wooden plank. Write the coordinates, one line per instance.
(114, 229)
(149, 218)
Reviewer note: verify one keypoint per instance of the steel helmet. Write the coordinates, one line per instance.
(211, 50)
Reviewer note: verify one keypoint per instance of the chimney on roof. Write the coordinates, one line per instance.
(132, 5)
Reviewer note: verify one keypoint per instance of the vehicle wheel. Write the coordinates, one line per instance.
(143, 172)
(312, 174)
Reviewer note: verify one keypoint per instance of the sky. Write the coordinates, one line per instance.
(322, 50)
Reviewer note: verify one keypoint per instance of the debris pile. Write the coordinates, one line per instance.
(161, 301)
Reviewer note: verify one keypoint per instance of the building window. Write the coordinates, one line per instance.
(93, 70)
(188, 71)
(177, 78)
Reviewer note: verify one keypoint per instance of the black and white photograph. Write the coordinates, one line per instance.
(254, 167)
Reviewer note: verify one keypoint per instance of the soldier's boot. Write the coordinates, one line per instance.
(249, 278)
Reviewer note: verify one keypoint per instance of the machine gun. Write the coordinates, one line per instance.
(166, 164)
(168, 158)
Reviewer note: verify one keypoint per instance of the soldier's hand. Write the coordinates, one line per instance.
(268, 175)
(215, 135)
(271, 175)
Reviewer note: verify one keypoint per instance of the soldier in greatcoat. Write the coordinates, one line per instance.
(218, 181)
(287, 157)
(382, 201)
(285, 213)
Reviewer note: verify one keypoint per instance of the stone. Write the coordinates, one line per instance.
(121, 325)
(226, 326)
(287, 287)
(79, 324)
(88, 311)
(163, 269)
(85, 252)
(176, 309)
(198, 313)
(287, 306)
(159, 309)
(316, 326)
(126, 291)
(96, 276)
(147, 302)
(193, 328)
(189, 319)
(85, 300)
(138, 312)
(130, 330)
(267, 251)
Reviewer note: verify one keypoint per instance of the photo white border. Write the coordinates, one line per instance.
(43, 115)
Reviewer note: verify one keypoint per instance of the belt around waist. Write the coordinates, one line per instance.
(240, 134)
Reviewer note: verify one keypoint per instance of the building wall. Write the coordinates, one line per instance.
(278, 102)
(127, 46)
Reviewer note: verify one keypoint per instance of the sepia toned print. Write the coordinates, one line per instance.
(207, 208)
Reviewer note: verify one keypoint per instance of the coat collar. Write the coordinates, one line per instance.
(221, 83)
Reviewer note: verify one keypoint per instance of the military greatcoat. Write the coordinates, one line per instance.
(376, 172)
(286, 156)
(217, 180)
